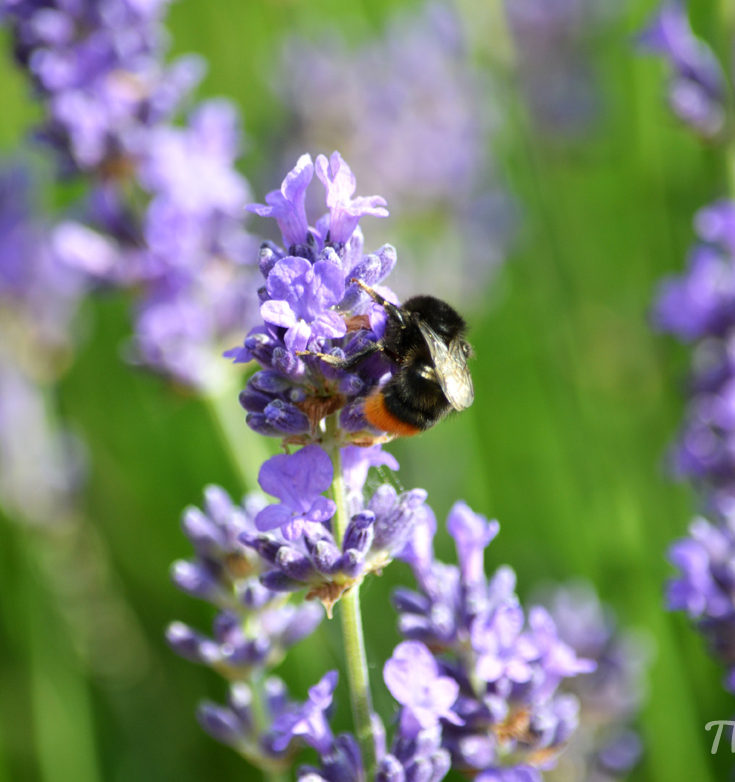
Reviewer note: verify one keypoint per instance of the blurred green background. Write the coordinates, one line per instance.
(576, 403)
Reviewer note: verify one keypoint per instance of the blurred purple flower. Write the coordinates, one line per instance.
(705, 585)
(98, 70)
(38, 294)
(554, 47)
(699, 306)
(165, 203)
(697, 85)
(604, 747)
(41, 463)
(415, 81)
(412, 675)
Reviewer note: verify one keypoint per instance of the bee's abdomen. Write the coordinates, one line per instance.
(405, 408)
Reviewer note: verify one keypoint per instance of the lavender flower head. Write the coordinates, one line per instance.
(255, 626)
(509, 715)
(604, 747)
(163, 213)
(699, 306)
(252, 631)
(296, 540)
(38, 294)
(97, 69)
(415, 81)
(697, 86)
(311, 302)
(704, 585)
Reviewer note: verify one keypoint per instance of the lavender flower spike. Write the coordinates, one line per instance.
(697, 85)
(509, 715)
(704, 586)
(605, 747)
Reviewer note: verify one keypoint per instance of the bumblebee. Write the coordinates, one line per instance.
(424, 338)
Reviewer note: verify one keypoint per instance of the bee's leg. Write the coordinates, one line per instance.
(345, 363)
(393, 311)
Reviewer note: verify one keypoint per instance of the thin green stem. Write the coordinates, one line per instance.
(351, 619)
(725, 19)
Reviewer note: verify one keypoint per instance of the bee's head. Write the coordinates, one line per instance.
(445, 320)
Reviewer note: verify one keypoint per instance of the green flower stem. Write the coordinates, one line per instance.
(351, 617)
(725, 23)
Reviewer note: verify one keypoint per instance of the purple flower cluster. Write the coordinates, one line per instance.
(254, 626)
(296, 541)
(697, 85)
(164, 208)
(554, 47)
(705, 585)
(311, 302)
(415, 81)
(96, 67)
(699, 306)
(604, 747)
(479, 682)
(506, 664)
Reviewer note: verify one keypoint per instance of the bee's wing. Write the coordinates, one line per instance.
(451, 368)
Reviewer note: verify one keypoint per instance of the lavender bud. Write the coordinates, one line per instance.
(294, 565)
(359, 532)
(253, 401)
(278, 581)
(204, 535)
(286, 418)
(195, 580)
(221, 724)
(269, 381)
(258, 423)
(267, 257)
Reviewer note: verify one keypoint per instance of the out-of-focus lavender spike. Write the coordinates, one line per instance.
(698, 307)
(697, 85)
(164, 212)
(604, 747)
(554, 44)
(416, 81)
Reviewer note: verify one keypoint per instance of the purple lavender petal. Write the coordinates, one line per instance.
(287, 205)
